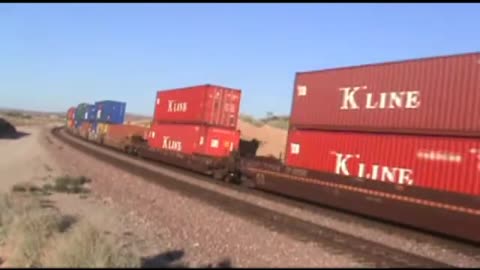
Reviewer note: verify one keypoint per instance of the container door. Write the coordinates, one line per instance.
(217, 104)
(220, 113)
(233, 108)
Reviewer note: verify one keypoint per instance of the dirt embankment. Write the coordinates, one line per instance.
(272, 139)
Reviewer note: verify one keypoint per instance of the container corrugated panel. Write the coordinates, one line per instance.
(194, 139)
(94, 127)
(439, 95)
(448, 164)
(91, 113)
(70, 123)
(102, 128)
(81, 111)
(202, 105)
(78, 123)
(85, 128)
(71, 113)
(110, 111)
(118, 132)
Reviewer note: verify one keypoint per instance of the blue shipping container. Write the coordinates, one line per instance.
(109, 111)
(91, 113)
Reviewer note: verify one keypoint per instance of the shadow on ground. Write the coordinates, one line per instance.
(13, 136)
(8, 131)
(170, 259)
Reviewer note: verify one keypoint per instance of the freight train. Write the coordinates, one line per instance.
(398, 141)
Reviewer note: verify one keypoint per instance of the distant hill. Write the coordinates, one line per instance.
(136, 117)
(18, 112)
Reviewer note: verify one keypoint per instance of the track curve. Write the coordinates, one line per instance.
(368, 252)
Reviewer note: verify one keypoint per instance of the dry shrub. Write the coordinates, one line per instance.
(68, 184)
(11, 207)
(29, 229)
(37, 237)
(6, 215)
(85, 246)
(26, 187)
(31, 234)
(251, 120)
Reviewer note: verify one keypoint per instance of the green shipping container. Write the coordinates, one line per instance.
(81, 111)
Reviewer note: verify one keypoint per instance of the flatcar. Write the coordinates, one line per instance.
(378, 140)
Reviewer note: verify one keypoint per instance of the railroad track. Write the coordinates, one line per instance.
(367, 252)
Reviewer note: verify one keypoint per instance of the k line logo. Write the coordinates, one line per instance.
(396, 175)
(175, 106)
(171, 144)
(356, 97)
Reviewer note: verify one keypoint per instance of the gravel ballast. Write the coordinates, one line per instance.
(208, 234)
(205, 234)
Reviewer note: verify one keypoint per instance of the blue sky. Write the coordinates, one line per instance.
(53, 56)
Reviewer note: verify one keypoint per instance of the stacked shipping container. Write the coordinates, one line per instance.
(204, 105)
(84, 117)
(198, 120)
(108, 111)
(71, 117)
(412, 101)
(81, 113)
(441, 163)
(109, 118)
(194, 139)
(91, 120)
(90, 113)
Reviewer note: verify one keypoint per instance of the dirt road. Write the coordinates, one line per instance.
(29, 159)
(24, 159)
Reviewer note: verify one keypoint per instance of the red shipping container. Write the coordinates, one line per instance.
(438, 95)
(70, 123)
(201, 105)
(71, 113)
(448, 164)
(194, 139)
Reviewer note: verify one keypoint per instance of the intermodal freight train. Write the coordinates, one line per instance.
(399, 141)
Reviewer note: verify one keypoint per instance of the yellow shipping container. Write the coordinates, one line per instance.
(102, 129)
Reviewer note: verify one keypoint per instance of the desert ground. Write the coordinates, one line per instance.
(62, 208)
(138, 227)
